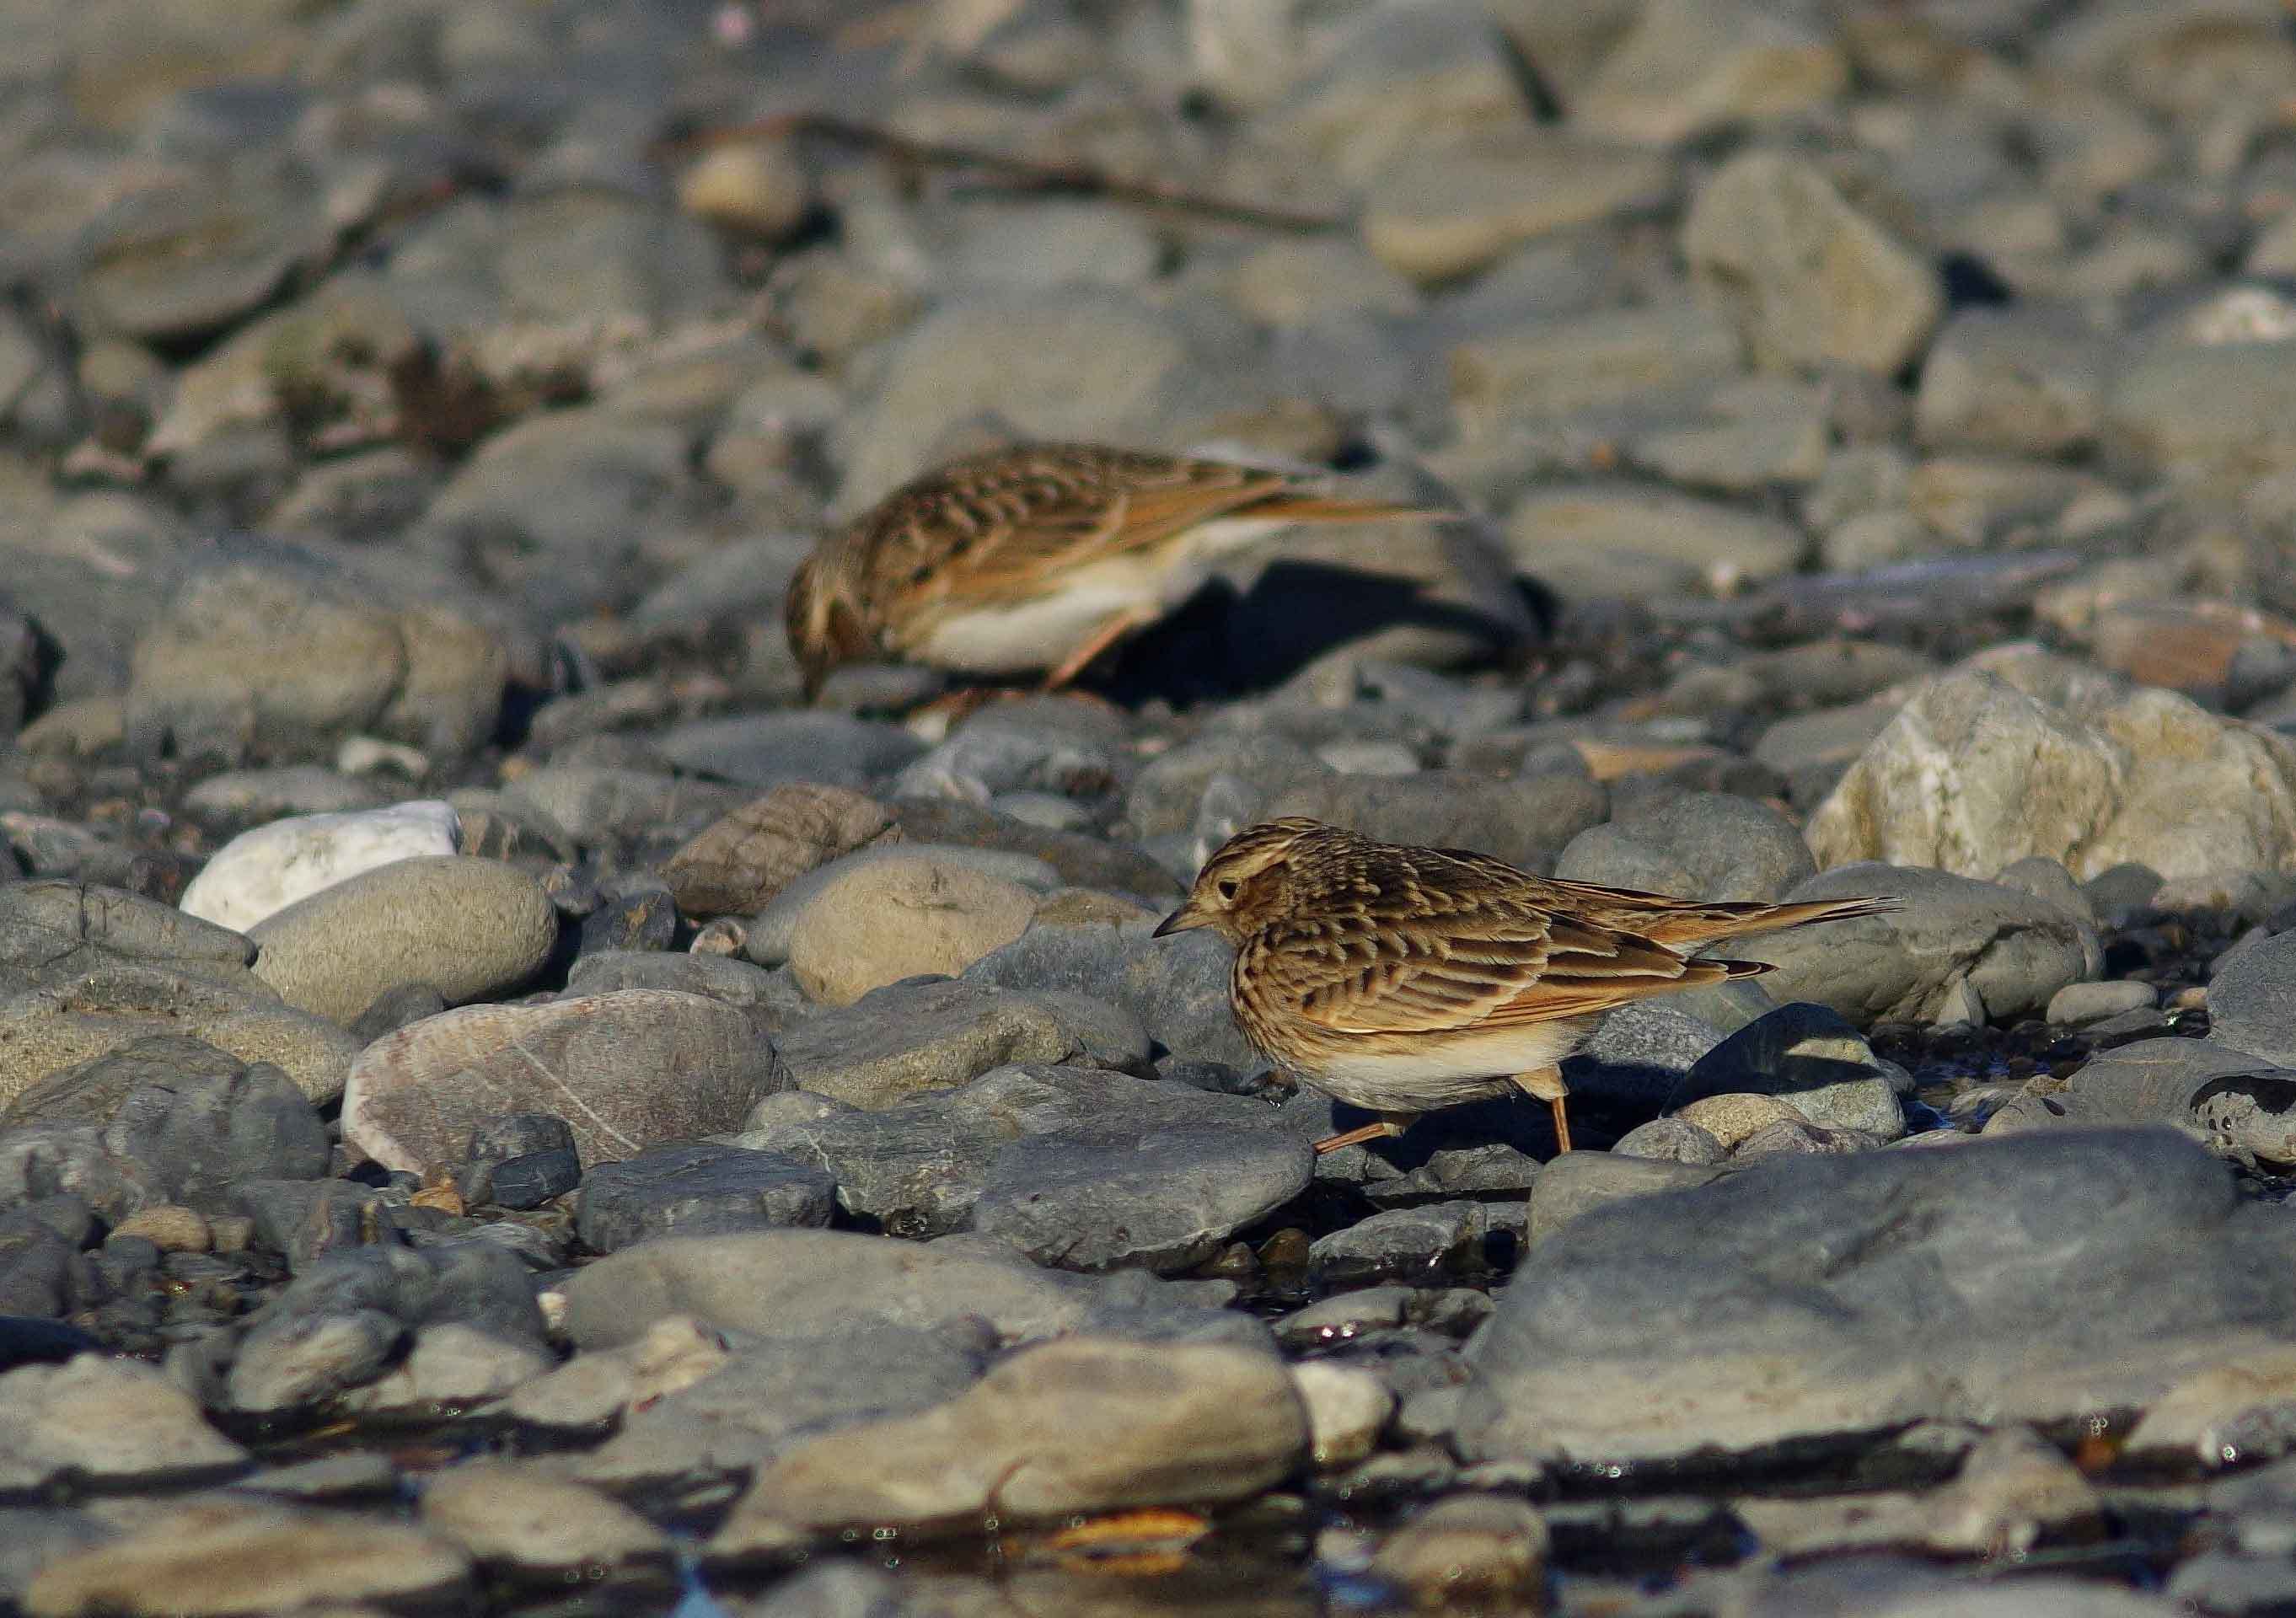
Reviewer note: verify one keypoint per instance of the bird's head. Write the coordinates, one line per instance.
(1244, 880)
(826, 621)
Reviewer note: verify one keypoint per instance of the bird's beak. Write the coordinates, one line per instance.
(1185, 918)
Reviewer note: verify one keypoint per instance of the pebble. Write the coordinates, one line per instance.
(2101, 778)
(107, 1422)
(1468, 1548)
(1811, 280)
(1775, 369)
(517, 1518)
(263, 871)
(697, 1190)
(2078, 1003)
(1709, 844)
(56, 1034)
(1103, 1424)
(719, 1413)
(1557, 1367)
(1958, 945)
(1598, 540)
(900, 916)
(634, 1068)
(1347, 1411)
(1805, 1056)
(236, 1557)
(907, 1039)
(2250, 1006)
(469, 927)
(1097, 1199)
(739, 862)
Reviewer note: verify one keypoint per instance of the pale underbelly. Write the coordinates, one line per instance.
(1461, 1068)
(1021, 636)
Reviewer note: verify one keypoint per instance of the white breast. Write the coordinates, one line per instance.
(1021, 636)
(1463, 1067)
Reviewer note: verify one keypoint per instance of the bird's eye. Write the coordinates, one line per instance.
(1225, 888)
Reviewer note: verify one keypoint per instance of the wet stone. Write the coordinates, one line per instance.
(1094, 1199)
(1417, 1245)
(700, 1190)
(918, 1168)
(521, 1160)
(907, 1039)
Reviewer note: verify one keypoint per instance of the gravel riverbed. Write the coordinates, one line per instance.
(504, 1108)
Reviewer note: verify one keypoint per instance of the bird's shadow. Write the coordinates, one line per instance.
(1224, 643)
(1607, 1099)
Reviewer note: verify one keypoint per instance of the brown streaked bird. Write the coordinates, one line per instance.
(1402, 979)
(1036, 557)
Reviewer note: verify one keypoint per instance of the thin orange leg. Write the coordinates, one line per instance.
(1113, 629)
(1547, 1085)
(1379, 1128)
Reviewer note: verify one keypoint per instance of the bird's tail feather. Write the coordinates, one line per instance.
(1709, 923)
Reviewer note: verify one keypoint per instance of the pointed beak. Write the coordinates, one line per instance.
(1181, 920)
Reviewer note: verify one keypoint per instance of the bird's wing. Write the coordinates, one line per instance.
(1007, 529)
(1489, 966)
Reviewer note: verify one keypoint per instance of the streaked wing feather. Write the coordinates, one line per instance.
(1031, 554)
(1505, 967)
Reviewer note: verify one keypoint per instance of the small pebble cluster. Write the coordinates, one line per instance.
(504, 1107)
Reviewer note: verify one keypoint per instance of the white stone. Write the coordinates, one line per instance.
(1346, 1409)
(269, 868)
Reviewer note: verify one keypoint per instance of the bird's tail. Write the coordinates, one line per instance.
(1307, 506)
(1709, 922)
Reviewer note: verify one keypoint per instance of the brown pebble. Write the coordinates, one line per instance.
(732, 866)
(169, 1228)
(1470, 1549)
(445, 1199)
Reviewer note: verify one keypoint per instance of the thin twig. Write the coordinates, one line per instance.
(1019, 171)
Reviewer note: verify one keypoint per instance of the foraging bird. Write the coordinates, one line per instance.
(1036, 557)
(1402, 979)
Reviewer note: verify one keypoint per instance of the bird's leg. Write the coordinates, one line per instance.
(1113, 629)
(1385, 1124)
(1547, 1085)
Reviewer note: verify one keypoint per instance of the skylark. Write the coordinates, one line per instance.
(1036, 557)
(1403, 979)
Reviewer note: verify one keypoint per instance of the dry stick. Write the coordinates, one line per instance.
(1022, 171)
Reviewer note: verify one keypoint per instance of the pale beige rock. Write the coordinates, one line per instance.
(49, 1030)
(1581, 362)
(1078, 1425)
(1347, 1408)
(218, 1558)
(1975, 773)
(2012, 1487)
(1619, 540)
(1470, 1549)
(811, 1283)
(1693, 65)
(103, 1421)
(1811, 280)
(511, 1515)
(168, 1227)
(756, 187)
(896, 916)
(467, 927)
(1434, 217)
(1731, 1118)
